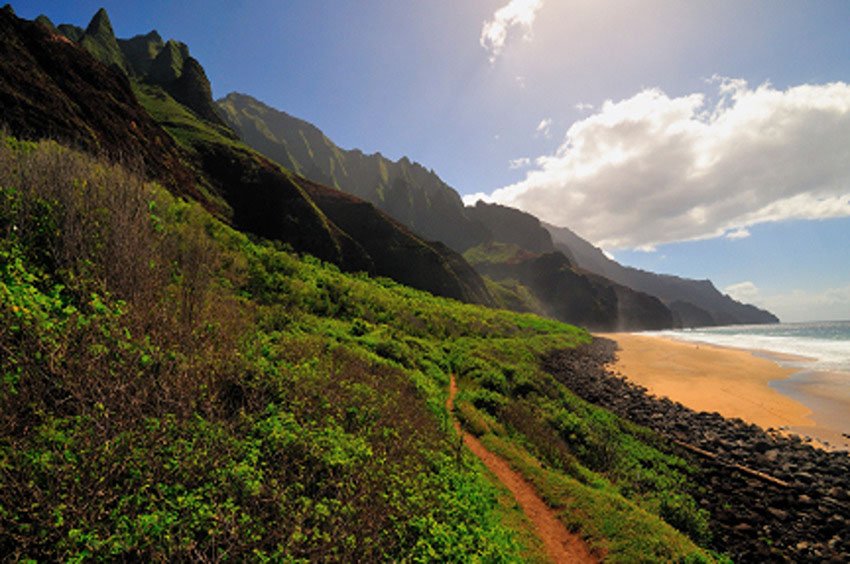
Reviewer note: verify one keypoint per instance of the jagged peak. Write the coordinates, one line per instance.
(100, 24)
(152, 36)
(168, 64)
(46, 22)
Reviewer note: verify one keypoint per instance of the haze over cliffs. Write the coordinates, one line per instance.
(418, 198)
(693, 303)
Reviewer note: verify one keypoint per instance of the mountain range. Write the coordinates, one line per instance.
(420, 199)
(146, 99)
(208, 355)
(279, 177)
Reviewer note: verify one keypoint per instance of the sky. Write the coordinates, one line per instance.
(708, 139)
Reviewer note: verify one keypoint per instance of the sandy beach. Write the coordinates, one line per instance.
(734, 383)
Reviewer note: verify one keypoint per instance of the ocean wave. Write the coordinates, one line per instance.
(826, 354)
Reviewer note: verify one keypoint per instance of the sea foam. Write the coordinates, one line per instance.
(825, 344)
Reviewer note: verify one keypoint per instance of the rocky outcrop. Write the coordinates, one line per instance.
(192, 89)
(140, 52)
(772, 498)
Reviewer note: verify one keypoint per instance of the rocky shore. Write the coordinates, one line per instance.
(772, 498)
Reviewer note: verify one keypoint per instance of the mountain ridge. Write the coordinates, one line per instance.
(404, 189)
(287, 139)
(80, 95)
(694, 302)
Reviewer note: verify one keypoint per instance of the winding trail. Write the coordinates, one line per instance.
(560, 544)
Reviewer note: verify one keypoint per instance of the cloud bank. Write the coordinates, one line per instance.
(516, 13)
(797, 305)
(652, 169)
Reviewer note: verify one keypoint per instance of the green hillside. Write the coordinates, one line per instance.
(173, 390)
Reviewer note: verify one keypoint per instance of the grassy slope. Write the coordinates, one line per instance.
(171, 389)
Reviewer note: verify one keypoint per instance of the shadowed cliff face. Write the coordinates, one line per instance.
(694, 303)
(512, 226)
(51, 86)
(407, 191)
(571, 295)
(398, 253)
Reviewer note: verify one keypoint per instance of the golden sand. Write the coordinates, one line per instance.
(731, 382)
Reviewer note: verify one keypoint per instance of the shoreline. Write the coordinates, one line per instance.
(772, 496)
(753, 385)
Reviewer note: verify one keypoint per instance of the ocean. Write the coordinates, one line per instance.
(820, 354)
(826, 344)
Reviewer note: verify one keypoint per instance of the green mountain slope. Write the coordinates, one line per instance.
(405, 190)
(47, 89)
(172, 390)
(408, 192)
(53, 89)
(418, 198)
(564, 292)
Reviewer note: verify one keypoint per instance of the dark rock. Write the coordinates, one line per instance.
(778, 513)
(752, 520)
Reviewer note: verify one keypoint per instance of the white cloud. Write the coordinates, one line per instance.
(516, 13)
(544, 127)
(652, 169)
(797, 305)
(521, 162)
(745, 292)
(520, 80)
(739, 233)
(472, 199)
(583, 107)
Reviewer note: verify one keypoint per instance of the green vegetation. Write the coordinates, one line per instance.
(495, 252)
(616, 474)
(170, 389)
(184, 126)
(99, 40)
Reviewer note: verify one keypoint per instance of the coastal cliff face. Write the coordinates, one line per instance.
(148, 99)
(420, 200)
(405, 190)
(695, 303)
(569, 294)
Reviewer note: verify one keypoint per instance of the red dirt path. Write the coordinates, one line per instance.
(560, 544)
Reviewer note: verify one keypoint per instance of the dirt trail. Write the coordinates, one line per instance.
(560, 544)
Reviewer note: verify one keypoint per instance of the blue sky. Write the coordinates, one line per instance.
(713, 135)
